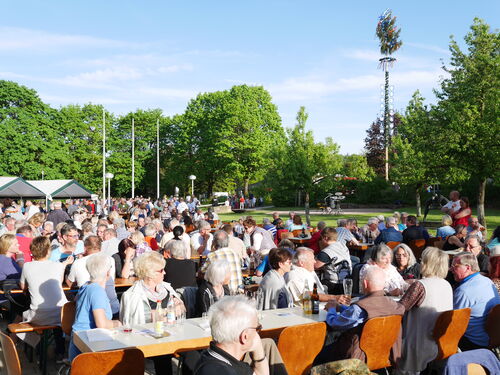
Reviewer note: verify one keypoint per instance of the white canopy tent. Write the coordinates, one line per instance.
(16, 187)
(54, 189)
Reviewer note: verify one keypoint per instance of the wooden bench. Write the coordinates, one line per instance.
(42, 330)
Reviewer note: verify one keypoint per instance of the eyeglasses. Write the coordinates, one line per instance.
(258, 329)
(73, 235)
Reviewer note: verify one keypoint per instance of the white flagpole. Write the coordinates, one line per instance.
(103, 155)
(158, 158)
(133, 157)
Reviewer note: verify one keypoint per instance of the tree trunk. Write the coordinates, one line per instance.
(308, 217)
(417, 199)
(299, 200)
(245, 189)
(480, 202)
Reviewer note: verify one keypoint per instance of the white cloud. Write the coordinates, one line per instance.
(156, 92)
(361, 54)
(14, 38)
(428, 47)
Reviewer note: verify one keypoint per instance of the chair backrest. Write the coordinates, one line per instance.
(356, 269)
(296, 232)
(188, 296)
(10, 357)
(449, 328)
(285, 235)
(116, 362)
(392, 244)
(68, 313)
(493, 326)
(299, 345)
(377, 346)
(417, 246)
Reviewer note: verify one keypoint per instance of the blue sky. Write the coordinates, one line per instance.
(160, 54)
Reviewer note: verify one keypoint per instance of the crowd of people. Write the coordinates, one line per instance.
(171, 245)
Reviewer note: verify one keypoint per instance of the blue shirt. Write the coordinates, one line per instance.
(57, 255)
(348, 317)
(480, 294)
(445, 231)
(90, 297)
(9, 269)
(389, 235)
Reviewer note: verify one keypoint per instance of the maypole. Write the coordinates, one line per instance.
(388, 34)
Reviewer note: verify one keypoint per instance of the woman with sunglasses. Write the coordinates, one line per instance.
(140, 300)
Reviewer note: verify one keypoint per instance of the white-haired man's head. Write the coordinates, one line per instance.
(374, 279)
(233, 320)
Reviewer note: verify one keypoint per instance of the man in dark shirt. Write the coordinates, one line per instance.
(235, 331)
(473, 246)
(414, 231)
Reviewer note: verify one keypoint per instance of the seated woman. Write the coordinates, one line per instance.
(273, 293)
(9, 251)
(405, 262)
(446, 229)
(124, 265)
(92, 304)
(140, 300)
(179, 271)
(382, 257)
(296, 224)
(423, 301)
(495, 239)
(457, 240)
(213, 287)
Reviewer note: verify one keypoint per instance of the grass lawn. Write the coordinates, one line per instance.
(492, 216)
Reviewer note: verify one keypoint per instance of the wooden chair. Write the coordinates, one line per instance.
(417, 246)
(286, 235)
(296, 232)
(299, 345)
(115, 362)
(449, 328)
(493, 326)
(392, 244)
(10, 358)
(68, 313)
(377, 346)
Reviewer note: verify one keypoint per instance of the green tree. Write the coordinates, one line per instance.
(357, 166)
(302, 164)
(468, 109)
(30, 137)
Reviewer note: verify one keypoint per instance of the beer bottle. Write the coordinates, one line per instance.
(315, 300)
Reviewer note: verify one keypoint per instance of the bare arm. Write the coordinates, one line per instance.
(463, 213)
(102, 322)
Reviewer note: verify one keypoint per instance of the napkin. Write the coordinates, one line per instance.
(99, 334)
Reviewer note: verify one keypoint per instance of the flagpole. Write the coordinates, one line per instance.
(103, 154)
(133, 157)
(158, 158)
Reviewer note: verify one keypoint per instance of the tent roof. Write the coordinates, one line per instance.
(61, 188)
(13, 187)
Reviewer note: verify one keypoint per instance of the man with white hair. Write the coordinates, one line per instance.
(269, 227)
(201, 242)
(289, 222)
(390, 233)
(9, 226)
(381, 222)
(473, 246)
(57, 215)
(121, 231)
(344, 235)
(370, 231)
(110, 243)
(348, 319)
(221, 251)
(235, 331)
(303, 274)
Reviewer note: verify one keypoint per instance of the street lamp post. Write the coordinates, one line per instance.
(109, 176)
(192, 178)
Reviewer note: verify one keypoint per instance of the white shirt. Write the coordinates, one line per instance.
(238, 246)
(296, 279)
(32, 210)
(185, 239)
(181, 207)
(79, 273)
(452, 206)
(197, 241)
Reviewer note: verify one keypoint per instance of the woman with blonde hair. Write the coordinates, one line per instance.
(9, 250)
(36, 221)
(424, 300)
(446, 229)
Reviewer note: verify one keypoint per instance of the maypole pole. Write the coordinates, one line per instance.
(388, 35)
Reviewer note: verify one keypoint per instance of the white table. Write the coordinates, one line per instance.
(189, 335)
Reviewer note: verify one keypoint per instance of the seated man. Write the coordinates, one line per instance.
(344, 235)
(414, 231)
(302, 274)
(390, 233)
(370, 230)
(475, 229)
(334, 261)
(473, 246)
(349, 320)
(235, 332)
(474, 291)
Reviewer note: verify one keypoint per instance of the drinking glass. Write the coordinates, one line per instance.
(347, 283)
